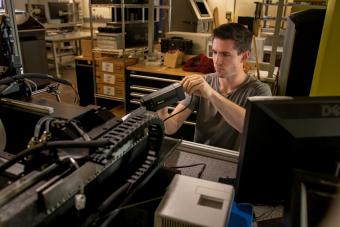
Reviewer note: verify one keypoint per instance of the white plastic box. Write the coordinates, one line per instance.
(194, 202)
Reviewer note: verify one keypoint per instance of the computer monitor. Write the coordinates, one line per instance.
(39, 11)
(282, 134)
(300, 50)
(59, 11)
(201, 9)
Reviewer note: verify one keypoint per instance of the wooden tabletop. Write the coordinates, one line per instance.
(161, 70)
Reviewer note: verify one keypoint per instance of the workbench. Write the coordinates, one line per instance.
(65, 37)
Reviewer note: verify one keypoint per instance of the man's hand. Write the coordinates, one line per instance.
(196, 84)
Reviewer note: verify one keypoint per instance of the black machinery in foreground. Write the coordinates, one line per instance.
(68, 165)
(61, 164)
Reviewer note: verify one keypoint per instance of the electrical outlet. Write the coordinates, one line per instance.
(228, 16)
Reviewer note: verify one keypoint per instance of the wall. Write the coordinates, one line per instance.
(326, 80)
(244, 8)
(20, 4)
(223, 6)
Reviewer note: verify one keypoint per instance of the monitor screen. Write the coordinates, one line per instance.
(282, 134)
(59, 11)
(38, 12)
(201, 9)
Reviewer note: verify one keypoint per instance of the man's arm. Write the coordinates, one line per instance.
(231, 112)
(173, 123)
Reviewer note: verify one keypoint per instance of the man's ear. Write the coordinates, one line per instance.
(245, 56)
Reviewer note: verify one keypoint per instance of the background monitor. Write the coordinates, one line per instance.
(282, 134)
(59, 11)
(300, 51)
(39, 12)
(201, 9)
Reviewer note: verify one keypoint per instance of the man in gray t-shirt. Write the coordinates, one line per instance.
(220, 97)
(211, 128)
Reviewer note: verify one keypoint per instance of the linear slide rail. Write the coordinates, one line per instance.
(209, 151)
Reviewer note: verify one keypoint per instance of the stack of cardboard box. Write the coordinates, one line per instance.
(110, 76)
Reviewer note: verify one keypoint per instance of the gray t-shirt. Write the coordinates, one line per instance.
(211, 128)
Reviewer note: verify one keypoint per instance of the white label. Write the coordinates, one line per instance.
(108, 78)
(107, 67)
(108, 90)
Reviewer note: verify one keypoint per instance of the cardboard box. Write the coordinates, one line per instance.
(110, 90)
(115, 65)
(109, 41)
(109, 78)
(86, 49)
(173, 59)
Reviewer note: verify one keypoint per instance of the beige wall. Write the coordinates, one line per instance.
(222, 6)
(20, 4)
(244, 8)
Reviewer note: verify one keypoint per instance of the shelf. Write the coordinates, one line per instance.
(130, 22)
(136, 95)
(270, 32)
(268, 49)
(271, 18)
(135, 101)
(143, 88)
(62, 25)
(305, 4)
(120, 51)
(129, 6)
(108, 97)
(123, 15)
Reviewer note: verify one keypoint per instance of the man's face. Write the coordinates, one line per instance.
(227, 62)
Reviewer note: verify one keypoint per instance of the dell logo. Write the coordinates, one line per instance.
(330, 110)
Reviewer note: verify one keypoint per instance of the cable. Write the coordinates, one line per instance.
(34, 75)
(31, 82)
(115, 211)
(53, 144)
(265, 214)
(6, 44)
(28, 85)
(40, 76)
(39, 124)
(179, 111)
(76, 97)
(199, 175)
(80, 131)
(95, 216)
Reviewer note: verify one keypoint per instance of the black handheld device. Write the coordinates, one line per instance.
(163, 97)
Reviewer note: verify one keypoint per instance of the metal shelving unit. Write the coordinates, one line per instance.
(145, 13)
(125, 14)
(280, 18)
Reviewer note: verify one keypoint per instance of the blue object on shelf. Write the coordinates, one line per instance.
(241, 215)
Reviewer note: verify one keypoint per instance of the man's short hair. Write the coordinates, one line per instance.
(237, 32)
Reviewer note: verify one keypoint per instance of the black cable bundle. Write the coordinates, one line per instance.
(6, 47)
(21, 88)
